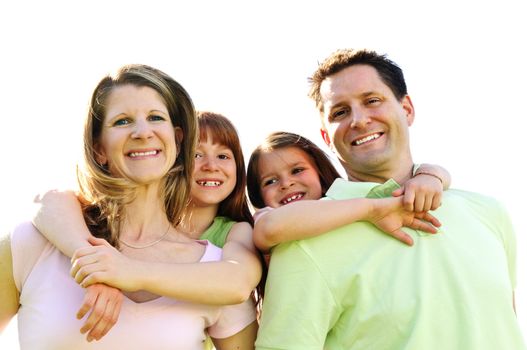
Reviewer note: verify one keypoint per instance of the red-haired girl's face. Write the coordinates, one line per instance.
(214, 175)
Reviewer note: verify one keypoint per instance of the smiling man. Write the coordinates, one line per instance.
(354, 289)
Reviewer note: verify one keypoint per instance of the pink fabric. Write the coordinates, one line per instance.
(50, 298)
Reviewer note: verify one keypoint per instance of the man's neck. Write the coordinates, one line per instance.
(400, 175)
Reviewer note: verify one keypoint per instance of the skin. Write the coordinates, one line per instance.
(234, 277)
(287, 175)
(9, 295)
(289, 171)
(357, 105)
(89, 262)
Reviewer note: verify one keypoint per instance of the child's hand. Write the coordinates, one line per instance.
(389, 215)
(105, 305)
(421, 193)
(102, 263)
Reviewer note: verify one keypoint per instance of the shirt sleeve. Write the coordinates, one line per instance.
(508, 237)
(27, 246)
(233, 319)
(299, 309)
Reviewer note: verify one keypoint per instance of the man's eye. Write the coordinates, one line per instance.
(371, 101)
(341, 113)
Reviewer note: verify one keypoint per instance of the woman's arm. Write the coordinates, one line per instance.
(225, 282)
(243, 340)
(302, 219)
(8, 292)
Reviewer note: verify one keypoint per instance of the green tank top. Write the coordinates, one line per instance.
(218, 231)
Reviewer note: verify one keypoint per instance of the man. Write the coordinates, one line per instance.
(354, 289)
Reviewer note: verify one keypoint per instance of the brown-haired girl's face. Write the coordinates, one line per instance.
(214, 176)
(287, 175)
(138, 140)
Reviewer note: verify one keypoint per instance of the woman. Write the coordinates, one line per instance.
(139, 147)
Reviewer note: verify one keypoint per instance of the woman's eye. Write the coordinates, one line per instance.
(198, 155)
(121, 122)
(156, 118)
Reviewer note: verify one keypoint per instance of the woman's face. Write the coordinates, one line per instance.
(214, 176)
(138, 140)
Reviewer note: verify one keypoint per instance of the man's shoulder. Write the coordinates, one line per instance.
(472, 198)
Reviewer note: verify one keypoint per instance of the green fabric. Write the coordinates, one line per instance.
(357, 288)
(218, 231)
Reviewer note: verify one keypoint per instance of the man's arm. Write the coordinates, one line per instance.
(299, 308)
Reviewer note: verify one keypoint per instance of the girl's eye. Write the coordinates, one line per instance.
(297, 170)
(121, 122)
(224, 156)
(268, 182)
(198, 155)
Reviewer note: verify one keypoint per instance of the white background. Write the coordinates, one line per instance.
(464, 62)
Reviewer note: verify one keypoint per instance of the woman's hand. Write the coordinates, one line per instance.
(102, 263)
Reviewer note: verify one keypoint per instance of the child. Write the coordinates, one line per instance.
(289, 172)
(217, 202)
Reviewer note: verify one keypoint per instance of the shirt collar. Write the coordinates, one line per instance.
(343, 189)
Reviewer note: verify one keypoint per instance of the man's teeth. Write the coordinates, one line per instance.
(209, 183)
(292, 198)
(367, 138)
(143, 154)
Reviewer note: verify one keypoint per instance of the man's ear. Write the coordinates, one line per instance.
(325, 137)
(408, 107)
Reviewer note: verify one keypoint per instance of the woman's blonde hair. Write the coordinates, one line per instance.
(104, 195)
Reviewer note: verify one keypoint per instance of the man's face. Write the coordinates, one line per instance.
(364, 123)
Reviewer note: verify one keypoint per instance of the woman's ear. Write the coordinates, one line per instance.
(178, 133)
(100, 155)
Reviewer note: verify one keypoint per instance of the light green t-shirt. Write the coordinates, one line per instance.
(357, 288)
(218, 231)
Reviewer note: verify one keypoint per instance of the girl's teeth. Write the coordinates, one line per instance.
(295, 197)
(143, 154)
(209, 183)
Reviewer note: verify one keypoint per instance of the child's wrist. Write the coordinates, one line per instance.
(422, 172)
